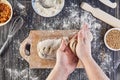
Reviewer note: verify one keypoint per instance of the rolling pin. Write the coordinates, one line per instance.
(109, 3)
(100, 14)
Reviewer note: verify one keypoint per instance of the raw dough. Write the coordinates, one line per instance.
(73, 42)
(47, 48)
(72, 45)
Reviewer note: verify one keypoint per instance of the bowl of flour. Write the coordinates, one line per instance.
(48, 12)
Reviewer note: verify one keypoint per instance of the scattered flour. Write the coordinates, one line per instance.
(22, 74)
(69, 21)
(17, 42)
(105, 64)
(74, 20)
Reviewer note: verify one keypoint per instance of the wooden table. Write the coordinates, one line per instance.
(14, 67)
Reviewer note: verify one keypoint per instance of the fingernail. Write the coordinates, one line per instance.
(62, 46)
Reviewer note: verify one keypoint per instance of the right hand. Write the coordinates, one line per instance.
(66, 59)
(83, 48)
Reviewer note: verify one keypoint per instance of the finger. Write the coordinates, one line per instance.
(63, 45)
(75, 36)
(83, 25)
(66, 42)
(76, 59)
(80, 37)
(83, 30)
(69, 53)
(88, 34)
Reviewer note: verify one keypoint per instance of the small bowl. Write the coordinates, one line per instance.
(106, 41)
(6, 2)
(47, 12)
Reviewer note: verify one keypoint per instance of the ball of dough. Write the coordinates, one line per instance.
(73, 42)
(47, 49)
(72, 45)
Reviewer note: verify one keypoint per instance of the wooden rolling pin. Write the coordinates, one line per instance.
(100, 14)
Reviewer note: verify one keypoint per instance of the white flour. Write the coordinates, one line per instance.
(105, 64)
(57, 6)
(67, 22)
(74, 19)
(22, 74)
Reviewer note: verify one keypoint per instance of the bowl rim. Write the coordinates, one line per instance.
(8, 3)
(106, 42)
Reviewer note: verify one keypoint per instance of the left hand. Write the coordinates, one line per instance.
(66, 60)
(83, 48)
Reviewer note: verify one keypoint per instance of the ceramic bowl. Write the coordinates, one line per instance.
(6, 2)
(106, 41)
(47, 12)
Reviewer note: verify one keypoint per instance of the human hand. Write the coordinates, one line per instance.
(66, 60)
(83, 48)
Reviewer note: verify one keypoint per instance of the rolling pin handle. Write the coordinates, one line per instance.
(27, 49)
(87, 7)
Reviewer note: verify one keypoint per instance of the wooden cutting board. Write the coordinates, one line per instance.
(28, 48)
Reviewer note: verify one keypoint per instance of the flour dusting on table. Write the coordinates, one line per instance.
(74, 19)
(106, 59)
(23, 74)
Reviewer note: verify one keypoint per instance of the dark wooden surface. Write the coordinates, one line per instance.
(13, 67)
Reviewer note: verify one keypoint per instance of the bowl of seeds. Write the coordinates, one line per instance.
(5, 12)
(112, 39)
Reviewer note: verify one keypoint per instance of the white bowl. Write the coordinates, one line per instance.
(6, 2)
(106, 42)
(47, 12)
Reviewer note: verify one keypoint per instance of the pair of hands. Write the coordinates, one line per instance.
(67, 60)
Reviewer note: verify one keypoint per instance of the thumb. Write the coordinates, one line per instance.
(63, 45)
(80, 37)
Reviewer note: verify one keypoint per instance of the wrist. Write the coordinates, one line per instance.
(58, 73)
(62, 70)
(86, 58)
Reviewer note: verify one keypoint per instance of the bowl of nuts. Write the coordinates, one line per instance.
(112, 39)
(6, 12)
